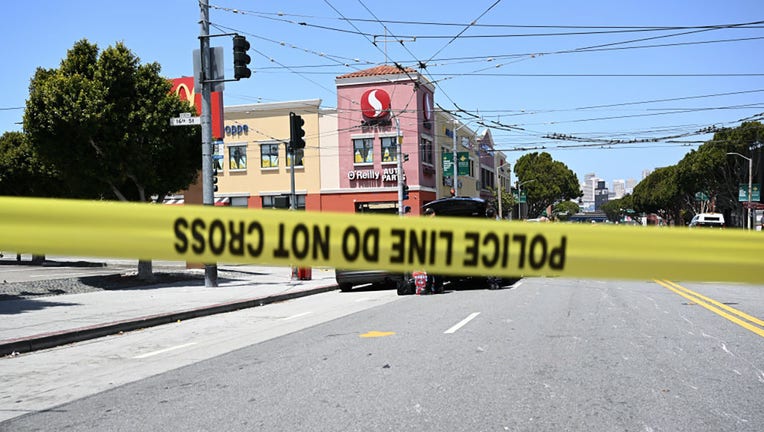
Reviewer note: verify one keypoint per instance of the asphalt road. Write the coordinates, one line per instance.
(547, 355)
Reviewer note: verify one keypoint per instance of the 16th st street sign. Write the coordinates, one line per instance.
(185, 119)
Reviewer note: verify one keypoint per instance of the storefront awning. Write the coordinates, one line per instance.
(175, 200)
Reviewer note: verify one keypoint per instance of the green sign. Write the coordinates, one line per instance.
(462, 164)
(523, 199)
(742, 194)
(448, 164)
(701, 196)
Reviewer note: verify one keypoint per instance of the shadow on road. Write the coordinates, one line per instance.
(15, 304)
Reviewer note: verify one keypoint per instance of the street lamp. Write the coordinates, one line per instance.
(750, 184)
(499, 172)
(519, 195)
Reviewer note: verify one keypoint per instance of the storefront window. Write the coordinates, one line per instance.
(363, 150)
(282, 201)
(389, 149)
(269, 155)
(237, 157)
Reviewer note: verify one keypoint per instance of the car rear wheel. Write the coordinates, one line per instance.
(345, 287)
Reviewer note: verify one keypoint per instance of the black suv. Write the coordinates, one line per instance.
(459, 207)
(404, 283)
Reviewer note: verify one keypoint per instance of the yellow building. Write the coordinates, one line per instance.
(466, 149)
(254, 168)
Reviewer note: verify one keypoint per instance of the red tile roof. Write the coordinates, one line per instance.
(377, 70)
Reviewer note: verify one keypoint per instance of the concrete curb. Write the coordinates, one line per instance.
(54, 339)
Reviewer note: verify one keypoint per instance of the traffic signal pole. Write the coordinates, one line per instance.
(208, 194)
(206, 79)
(296, 143)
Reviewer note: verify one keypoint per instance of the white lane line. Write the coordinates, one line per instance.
(462, 323)
(162, 351)
(295, 316)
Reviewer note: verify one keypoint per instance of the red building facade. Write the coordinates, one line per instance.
(374, 106)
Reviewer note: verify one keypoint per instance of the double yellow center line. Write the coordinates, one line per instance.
(740, 318)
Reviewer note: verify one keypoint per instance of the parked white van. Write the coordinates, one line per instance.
(712, 220)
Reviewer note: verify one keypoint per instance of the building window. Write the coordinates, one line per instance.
(298, 156)
(237, 157)
(269, 155)
(363, 150)
(425, 150)
(487, 178)
(389, 149)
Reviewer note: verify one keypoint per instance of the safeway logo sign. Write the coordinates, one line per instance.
(375, 104)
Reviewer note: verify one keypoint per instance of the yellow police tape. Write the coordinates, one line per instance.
(442, 245)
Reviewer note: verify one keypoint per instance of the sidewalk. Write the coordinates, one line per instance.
(44, 322)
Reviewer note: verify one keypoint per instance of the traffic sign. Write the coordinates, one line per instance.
(185, 121)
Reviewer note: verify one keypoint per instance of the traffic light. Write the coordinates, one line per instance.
(296, 132)
(405, 191)
(214, 179)
(240, 58)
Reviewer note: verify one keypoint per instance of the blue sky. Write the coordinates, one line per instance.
(630, 70)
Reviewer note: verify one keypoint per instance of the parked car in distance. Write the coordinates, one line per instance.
(707, 220)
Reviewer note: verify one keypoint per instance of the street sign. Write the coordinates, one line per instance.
(185, 121)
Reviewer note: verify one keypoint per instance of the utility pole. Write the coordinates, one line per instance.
(399, 149)
(498, 180)
(456, 184)
(208, 193)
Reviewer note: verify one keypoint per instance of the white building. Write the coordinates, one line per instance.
(619, 188)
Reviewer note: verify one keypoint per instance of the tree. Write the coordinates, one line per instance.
(563, 210)
(735, 171)
(659, 193)
(711, 171)
(552, 181)
(103, 119)
(507, 200)
(22, 172)
(616, 209)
